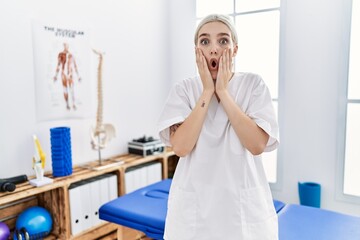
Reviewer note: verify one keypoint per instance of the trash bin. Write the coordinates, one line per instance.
(310, 194)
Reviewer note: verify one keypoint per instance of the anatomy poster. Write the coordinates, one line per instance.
(62, 72)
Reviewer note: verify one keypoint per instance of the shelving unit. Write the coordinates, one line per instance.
(55, 197)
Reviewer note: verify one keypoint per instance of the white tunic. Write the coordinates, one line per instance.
(220, 191)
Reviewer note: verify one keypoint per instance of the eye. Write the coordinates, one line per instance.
(204, 41)
(223, 41)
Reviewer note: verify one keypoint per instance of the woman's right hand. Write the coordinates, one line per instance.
(207, 81)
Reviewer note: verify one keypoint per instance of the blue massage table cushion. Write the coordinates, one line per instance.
(145, 209)
(278, 205)
(298, 222)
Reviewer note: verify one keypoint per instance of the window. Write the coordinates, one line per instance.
(258, 27)
(351, 184)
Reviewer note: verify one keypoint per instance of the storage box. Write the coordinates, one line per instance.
(146, 148)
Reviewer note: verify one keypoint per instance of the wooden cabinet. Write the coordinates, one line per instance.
(55, 197)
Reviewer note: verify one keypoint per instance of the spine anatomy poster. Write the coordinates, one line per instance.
(62, 62)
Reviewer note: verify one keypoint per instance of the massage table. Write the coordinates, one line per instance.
(145, 209)
(298, 222)
(278, 205)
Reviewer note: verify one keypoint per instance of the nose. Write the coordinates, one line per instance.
(213, 50)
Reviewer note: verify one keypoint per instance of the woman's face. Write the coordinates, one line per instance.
(213, 39)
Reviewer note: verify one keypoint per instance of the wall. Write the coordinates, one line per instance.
(182, 27)
(134, 36)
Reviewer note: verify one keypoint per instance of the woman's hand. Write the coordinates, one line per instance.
(208, 83)
(225, 71)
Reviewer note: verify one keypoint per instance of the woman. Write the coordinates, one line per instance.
(219, 123)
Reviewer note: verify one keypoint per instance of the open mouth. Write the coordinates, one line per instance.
(213, 64)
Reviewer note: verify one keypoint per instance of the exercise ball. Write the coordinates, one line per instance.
(36, 220)
(4, 231)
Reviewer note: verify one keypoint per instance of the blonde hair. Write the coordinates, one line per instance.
(217, 18)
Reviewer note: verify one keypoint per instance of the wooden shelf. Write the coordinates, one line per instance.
(55, 197)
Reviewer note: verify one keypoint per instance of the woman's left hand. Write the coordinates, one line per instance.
(225, 70)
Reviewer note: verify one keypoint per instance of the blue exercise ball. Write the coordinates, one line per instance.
(4, 231)
(36, 220)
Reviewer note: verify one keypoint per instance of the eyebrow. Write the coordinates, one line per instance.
(207, 35)
(204, 35)
(224, 34)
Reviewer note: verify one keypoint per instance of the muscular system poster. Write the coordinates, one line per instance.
(62, 73)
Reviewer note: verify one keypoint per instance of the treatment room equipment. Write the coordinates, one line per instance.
(145, 210)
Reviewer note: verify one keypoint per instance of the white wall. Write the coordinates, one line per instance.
(182, 27)
(134, 34)
(312, 68)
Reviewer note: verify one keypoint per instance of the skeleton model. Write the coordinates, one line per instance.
(102, 133)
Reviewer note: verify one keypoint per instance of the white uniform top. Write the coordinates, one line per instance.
(220, 191)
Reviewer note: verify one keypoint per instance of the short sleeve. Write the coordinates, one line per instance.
(176, 109)
(261, 110)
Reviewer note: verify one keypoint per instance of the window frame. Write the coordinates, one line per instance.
(343, 101)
